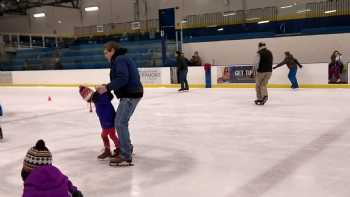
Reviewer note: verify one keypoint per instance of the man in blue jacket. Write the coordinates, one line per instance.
(126, 85)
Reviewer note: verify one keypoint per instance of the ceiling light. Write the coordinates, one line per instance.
(229, 14)
(253, 19)
(287, 6)
(302, 11)
(184, 21)
(39, 15)
(91, 9)
(330, 11)
(262, 22)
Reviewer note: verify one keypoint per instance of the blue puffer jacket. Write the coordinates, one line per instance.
(104, 109)
(124, 76)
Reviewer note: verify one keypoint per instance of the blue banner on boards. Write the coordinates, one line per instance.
(235, 74)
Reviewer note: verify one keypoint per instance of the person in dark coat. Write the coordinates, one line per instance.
(196, 60)
(182, 68)
(126, 84)
(335, 68)
(292, 65)
(263, 73)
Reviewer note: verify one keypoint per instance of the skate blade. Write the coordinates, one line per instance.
(258, 103)
(123, 164)
(105, 159)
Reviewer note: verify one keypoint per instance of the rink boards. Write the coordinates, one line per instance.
(310, 76)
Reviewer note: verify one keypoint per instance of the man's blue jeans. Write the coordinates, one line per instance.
(125, 110)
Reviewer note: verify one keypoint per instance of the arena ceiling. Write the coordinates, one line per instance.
(21, 6)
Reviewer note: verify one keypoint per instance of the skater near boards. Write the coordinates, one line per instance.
(292, 65)
(263, 70)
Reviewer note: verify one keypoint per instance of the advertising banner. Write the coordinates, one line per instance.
(235, 74)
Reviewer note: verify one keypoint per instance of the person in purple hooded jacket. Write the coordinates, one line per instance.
(106, 114)
(41, 178)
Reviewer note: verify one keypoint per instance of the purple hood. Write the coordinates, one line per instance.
(47, 181)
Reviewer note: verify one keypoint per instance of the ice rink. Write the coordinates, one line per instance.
(204, 143)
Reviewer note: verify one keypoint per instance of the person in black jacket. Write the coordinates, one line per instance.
(292, 64)
(126, 84)
(335, 68)
(182, 68)
(196, 60)
(263, 73)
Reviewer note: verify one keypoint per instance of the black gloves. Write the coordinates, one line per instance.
(77, 194)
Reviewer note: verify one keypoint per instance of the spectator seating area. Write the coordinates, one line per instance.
(85, 56)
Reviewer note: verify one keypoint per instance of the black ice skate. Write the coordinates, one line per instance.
(257, 102)
(264, 100)
(261, 102)
(106, 154)
(120, 162)
(181, 90)
(1, 136)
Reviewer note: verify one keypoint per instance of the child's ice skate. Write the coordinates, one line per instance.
(116, 152)
(106, 154)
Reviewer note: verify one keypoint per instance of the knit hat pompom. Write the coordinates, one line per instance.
(40, 145)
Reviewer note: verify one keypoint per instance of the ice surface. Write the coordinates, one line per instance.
(204, 143)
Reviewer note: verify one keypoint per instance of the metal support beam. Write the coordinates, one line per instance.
(30, 41)
(18, 41)
(20, 7)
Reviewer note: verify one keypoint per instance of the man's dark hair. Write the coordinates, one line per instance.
(112, 45)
